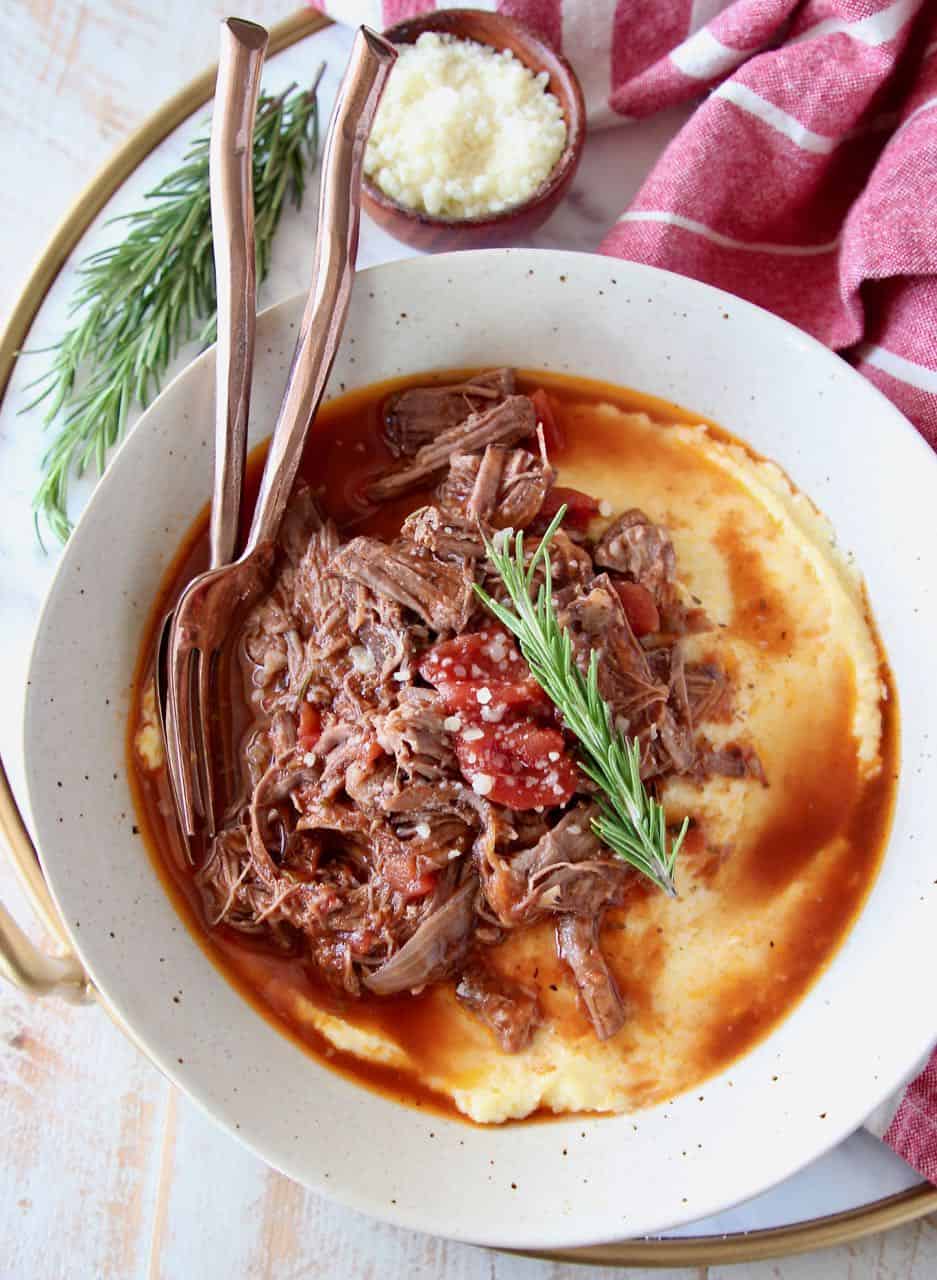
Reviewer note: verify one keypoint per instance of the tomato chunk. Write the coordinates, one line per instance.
(553, 436)
(487, 654)
(503, 737)
(523, 766)
(310, 726)
(494, 701)
(580, 507)
(483, 678)
(400, 872)
(639, 606)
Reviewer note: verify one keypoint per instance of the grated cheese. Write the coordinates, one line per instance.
(463, 130)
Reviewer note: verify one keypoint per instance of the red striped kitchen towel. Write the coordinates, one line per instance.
(805, 181)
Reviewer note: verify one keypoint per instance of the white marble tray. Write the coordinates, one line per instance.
(858, 1173)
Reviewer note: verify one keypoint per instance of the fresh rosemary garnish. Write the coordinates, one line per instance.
(631, 822)
(138, 301)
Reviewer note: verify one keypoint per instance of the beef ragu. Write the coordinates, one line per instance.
(413, 793)
(409, 797)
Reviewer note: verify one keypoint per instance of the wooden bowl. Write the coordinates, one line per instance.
(423, 230)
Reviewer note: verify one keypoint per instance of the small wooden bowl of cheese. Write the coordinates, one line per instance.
(478, 136)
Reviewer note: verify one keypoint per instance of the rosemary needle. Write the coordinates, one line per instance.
(140, 299)
(630, 822)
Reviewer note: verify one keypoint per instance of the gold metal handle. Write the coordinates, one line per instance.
(21, 961)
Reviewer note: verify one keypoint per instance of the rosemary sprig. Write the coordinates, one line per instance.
(631, 822)
(140, 299)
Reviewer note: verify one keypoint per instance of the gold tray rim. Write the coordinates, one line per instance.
(772, 1242)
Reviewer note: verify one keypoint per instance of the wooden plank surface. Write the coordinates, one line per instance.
(104, 1170)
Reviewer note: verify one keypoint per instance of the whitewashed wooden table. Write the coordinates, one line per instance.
(105, 1171)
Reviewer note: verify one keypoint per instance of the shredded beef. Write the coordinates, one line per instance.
(413, 734)
(577, 944)
(633, 545)
(360, 844)
(708, 692)
(433, 952)
(417, 415)
(510, 1009)
(567, 869)
(732, 761)
(502, 489)
(437, 591)
(508, 422)
(444, 533)
(597, 620)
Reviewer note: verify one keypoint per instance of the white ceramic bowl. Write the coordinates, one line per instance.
(858, 1033)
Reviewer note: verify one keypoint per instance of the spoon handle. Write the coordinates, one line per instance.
(333, 271)
(230, 168)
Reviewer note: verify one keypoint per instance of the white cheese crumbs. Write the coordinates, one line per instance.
(460, 671)
(553, 755)
(574, 829)
(453, 854)
(422, 830)
(483, 694)
(401, 676)
(473, 734)
(463, 130)
(309, 758)
(605, 507)
(452, 723)
(492, 715)
(501, 538)
(482, 783)
(361, 658)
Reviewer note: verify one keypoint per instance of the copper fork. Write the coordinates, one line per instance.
(211, 602)
(230, 167)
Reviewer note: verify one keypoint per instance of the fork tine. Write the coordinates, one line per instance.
(183, 754)
(204, 667)
(161, 680)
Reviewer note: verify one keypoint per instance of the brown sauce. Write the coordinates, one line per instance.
(760, 615)
(345, 448)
